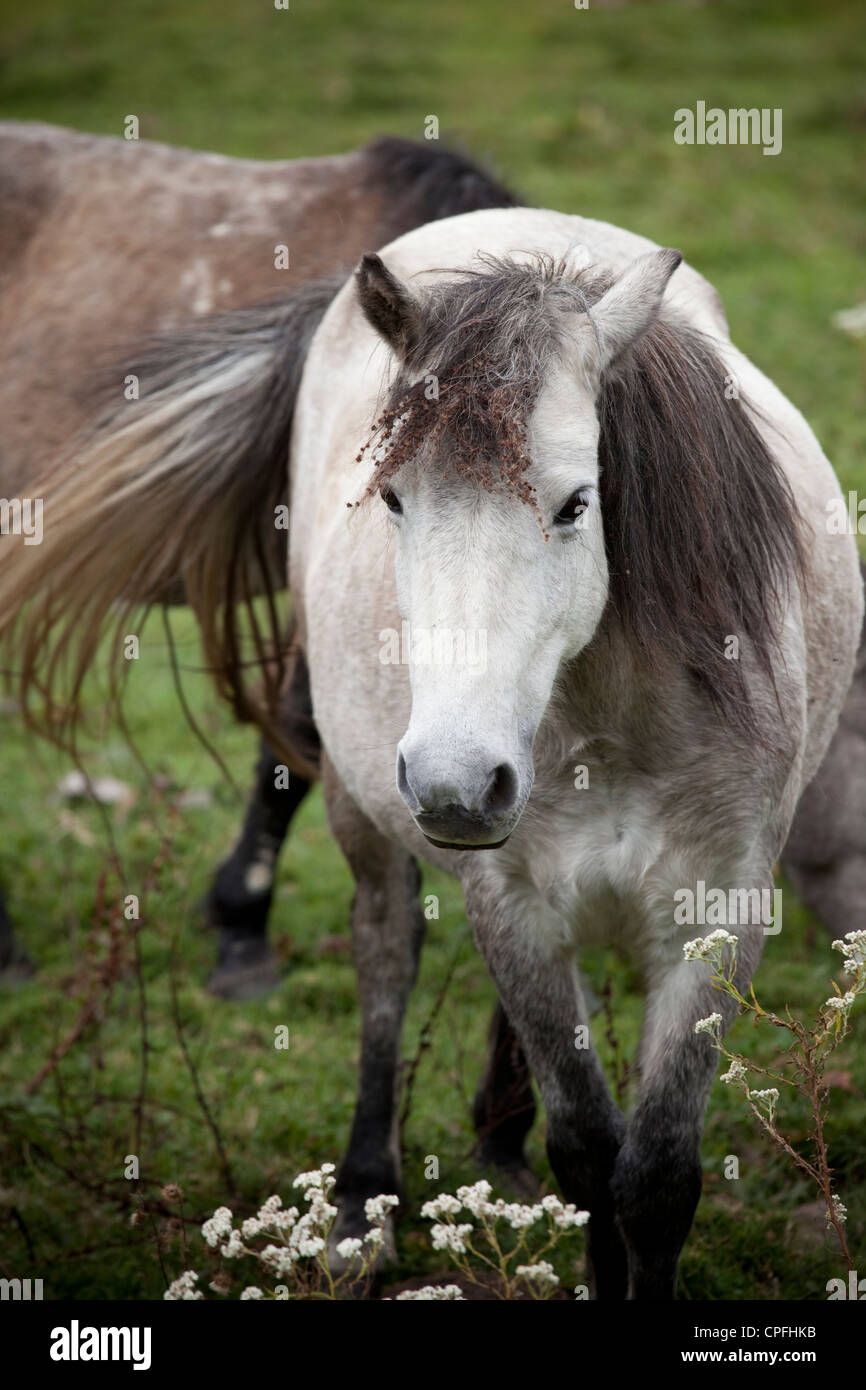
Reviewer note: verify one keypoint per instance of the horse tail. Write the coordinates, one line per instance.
(185, 482)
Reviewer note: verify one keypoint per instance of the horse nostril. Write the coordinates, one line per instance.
(404, 786)
(501, 790)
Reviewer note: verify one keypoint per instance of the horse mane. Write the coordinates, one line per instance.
(427, 180)
(702, 532)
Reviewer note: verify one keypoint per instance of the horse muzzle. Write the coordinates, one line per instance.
(471, 803)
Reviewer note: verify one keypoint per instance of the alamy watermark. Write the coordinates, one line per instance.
(846, 519)
(22, 516)
(714, 907)
(439, 646)
(736, 126)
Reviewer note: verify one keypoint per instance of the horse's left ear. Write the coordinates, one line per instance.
(388, 305)
(631, 305)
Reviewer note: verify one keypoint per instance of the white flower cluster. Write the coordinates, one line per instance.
(735, 1074)
(711, 1025)
(317, 1180)
(839, 1210)
(378, 1209)
(184, 1287)
(767, 1099)
(476, 1200)
(234, 1248)
(451, 1237)
(841, 1006)
(432, 1293)
(711, 948)
(853, 948)
(271, 1217)
(293, 1237)
(219, 1225)
(541, 1273)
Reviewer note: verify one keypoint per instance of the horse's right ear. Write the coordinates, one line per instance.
(388, 305)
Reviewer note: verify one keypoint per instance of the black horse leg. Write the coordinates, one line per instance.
(504, 1106)
(242, 891)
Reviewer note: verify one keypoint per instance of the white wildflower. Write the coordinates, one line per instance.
(842, 1005)
(347, 1249)
(443, 1205)
(235, 1247)
(563, 1215)
(570, 1216)
(712, 1025)
(283, 1220)
(451, 1237)
(476, 1198)
(853, 949)
(840, 1211)
(252, 1292)
(183, 1287)
(520, 1217)
(217, 1226)
(376, 1209)
(767, 1098)
(710, 948)
(736, 1072)
(310, 1245)
(278, 1258)
(316, 1179)
(432, 1293)
(541, 1273)
(321, 1212)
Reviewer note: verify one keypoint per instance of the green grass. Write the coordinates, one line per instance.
(576, 110)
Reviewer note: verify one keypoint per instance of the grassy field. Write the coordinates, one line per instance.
(575, 109)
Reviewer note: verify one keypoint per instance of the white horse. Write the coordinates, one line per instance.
(528, 437)
(487, 752)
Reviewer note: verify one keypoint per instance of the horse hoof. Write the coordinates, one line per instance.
(246, 968)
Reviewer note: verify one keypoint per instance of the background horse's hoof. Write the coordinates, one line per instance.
(246, 968)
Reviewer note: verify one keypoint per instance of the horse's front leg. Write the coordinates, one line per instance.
(387, 935)
(538, 983)
(657, 1183)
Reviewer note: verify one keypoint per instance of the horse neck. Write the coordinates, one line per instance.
(610, 695)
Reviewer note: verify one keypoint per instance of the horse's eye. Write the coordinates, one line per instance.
(392, 501)
(572, 510)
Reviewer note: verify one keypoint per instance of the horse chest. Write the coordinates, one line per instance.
(593, 845)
